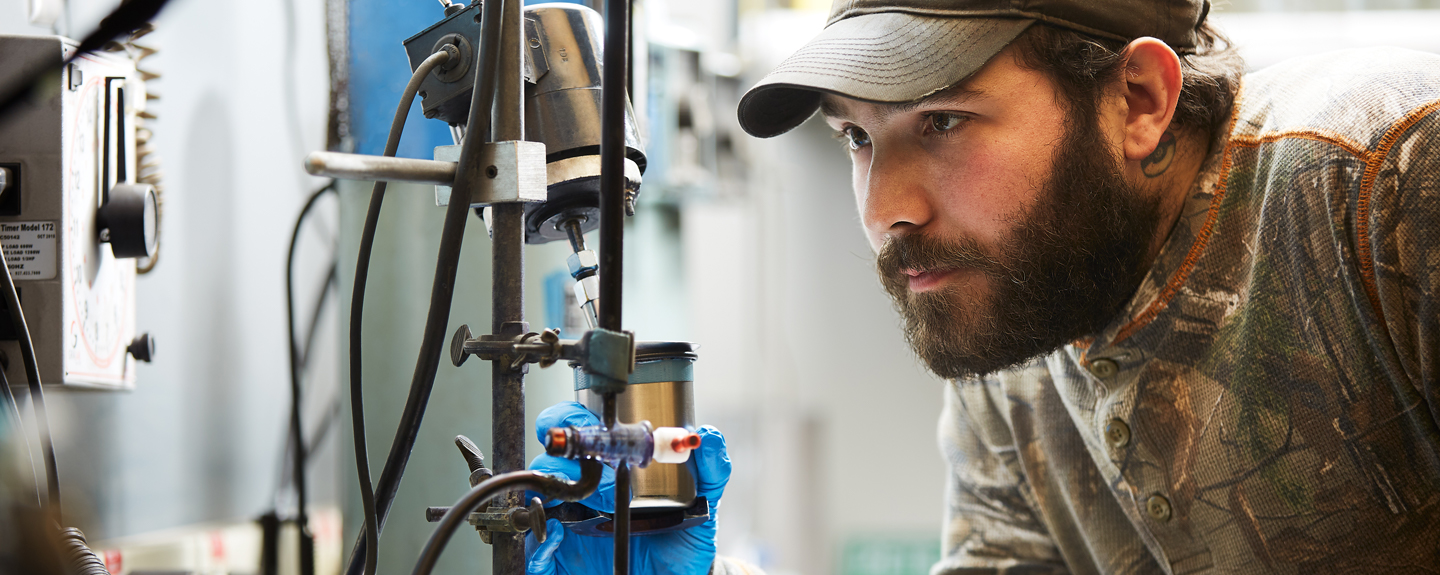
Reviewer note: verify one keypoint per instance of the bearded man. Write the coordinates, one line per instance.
(1188, 319)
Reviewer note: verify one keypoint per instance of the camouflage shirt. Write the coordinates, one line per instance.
(1267, 402)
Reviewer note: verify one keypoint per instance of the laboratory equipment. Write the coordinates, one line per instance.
(635, 443)
(562, 109)
(534, 186)
(74, 213)
(660, 391)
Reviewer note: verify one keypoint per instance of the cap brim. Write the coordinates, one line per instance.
(888, 57)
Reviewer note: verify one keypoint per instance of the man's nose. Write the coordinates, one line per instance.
(897, 199)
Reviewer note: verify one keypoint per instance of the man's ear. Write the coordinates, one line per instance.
(1152, 88)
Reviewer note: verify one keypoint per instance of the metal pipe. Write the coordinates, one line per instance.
(612, 163)
(379, 168)
(509, 111)
(622, 519)
(576, 235)
(507, 385)
(508, 422)
(516, 480)
(612, 228)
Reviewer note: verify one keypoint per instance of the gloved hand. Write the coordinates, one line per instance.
(685, 552)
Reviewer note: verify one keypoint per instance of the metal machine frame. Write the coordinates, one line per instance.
(495, 168)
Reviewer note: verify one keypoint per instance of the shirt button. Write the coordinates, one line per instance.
(1104, 368)
(1158, 507)
(1117, 434)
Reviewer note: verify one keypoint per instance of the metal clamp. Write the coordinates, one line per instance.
(514, 171)
(544, 348)
(518, 169)
(512, 520)
(610, 356)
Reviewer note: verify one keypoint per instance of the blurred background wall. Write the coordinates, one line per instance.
(749, 247)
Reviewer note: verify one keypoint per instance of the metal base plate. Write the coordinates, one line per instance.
(583, 520)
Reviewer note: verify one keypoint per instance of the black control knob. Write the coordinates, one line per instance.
(128, 220)
(142, 348)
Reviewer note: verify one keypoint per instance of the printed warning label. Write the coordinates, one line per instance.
(29, 249)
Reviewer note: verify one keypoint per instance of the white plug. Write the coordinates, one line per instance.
(674, 444)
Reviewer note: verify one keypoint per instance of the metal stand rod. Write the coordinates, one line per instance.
(622, 519)
(507, 385)
(612, 163)
(508, 423)
(612, 228)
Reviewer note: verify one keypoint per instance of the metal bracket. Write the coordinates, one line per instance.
(536, 64)
(582, 520)
(514, 171)
(518, 169)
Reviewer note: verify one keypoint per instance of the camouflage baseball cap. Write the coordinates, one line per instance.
(902, 50)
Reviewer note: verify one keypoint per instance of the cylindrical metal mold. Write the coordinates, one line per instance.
(661, 391)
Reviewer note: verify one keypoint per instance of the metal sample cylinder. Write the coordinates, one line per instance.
(661, 391)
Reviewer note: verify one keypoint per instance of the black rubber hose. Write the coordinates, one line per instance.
(37, 395)
(550, 487)
(297, 430)
(357, 311)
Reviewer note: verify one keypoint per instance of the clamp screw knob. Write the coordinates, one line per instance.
(142, 348)
(458, 355)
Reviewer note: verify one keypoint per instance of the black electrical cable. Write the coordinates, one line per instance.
(297, 430)
(129, 16)
(357, 309)
(331, 278)
(14, 415)
(550, 487)
(442, 289)
(37, 396)
(322, 429)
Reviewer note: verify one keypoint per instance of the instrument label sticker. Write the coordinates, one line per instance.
(29, 249)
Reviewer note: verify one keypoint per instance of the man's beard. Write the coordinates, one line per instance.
(1073, 260)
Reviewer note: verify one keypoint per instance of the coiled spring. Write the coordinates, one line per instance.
(78, 557)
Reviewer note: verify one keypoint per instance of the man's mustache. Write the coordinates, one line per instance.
(926, 253)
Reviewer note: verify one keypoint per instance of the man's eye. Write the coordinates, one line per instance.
(943, 121)
(856, 137)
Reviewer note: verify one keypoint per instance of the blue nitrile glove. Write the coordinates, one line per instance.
(685, 552)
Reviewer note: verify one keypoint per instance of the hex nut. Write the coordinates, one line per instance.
(582, 261)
